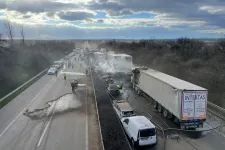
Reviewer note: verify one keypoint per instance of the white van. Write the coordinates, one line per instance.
(140, 130)
(123, 109)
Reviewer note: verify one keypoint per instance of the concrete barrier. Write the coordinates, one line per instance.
(6, 99)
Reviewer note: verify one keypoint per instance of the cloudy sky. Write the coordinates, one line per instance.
(123, 19)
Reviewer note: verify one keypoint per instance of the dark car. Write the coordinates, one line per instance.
(107, 76)
(114, 89)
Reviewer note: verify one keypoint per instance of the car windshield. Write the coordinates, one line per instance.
(52, 69)
(147, 132)
(128, 113)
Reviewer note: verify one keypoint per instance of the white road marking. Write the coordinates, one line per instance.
(46, 127)
(49, 121)
(24, 109)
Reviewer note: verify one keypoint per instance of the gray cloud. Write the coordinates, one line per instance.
(26, 16)
(75, 15)
(36, 6)
(100, 20)
(184, 10)
(120, 13)
(188, 10)
(106, 6)
(2, 5)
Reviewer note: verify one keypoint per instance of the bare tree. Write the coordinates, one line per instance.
(2, 43)
(22, 35)
(220, 46)
(9, 31)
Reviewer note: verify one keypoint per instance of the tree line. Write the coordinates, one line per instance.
(201, 62)
(8, 34)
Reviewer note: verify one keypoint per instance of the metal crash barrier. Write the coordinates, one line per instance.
(6, 99)
(216, 110)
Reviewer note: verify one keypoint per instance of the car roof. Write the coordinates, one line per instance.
(141, 122)
(125, 106)
(113, 86)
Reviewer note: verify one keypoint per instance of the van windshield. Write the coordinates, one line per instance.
(128, 113)
(147, 132)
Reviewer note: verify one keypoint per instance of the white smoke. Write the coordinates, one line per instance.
(113, 63)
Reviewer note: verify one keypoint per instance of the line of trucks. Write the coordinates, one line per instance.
(176, 99)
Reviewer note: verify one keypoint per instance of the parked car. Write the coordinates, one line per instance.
(57, 66)
(52, 71)
(114, 89)
(123, 108)
(140, 130)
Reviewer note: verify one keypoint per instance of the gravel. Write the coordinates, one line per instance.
(113, 135)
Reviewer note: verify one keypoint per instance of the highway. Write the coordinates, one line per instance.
(63, 125)
(70, 121)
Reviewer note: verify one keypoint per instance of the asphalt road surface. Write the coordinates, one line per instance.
(61, 125)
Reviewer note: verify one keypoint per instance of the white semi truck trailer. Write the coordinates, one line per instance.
(176, 99)
(99, 57)
(120, 62)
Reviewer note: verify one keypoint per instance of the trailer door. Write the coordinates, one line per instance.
(194, 105)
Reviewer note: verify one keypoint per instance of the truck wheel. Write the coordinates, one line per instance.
(175, 120)
(165, 113)
(155, 104)
(159, 108)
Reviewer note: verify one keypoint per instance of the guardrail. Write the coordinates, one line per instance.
(216, 110)
(6, 99)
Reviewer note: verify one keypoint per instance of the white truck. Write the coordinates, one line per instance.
(177, 99)
(120, 62)
(99, 57)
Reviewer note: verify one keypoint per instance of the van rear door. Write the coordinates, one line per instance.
(147, 136)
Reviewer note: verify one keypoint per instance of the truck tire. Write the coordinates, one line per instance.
(165, 113)
(159, 108)
(155, 104)
(175, 120)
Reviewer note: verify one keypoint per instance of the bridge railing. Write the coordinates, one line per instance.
(6, 99)
(216, 110)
